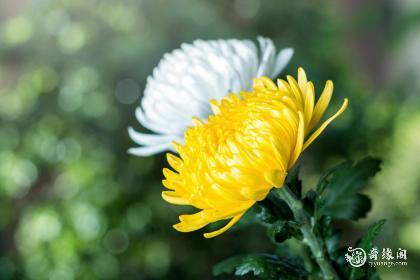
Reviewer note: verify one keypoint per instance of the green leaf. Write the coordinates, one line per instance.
(283, 230)
(264, 212)
(278, 207)
(352, 207)
(293, 181)
(309, 201)
(252, 264)
(264, 266)
(338, 190)
(331, 236)
(367, 240)
(323, 181)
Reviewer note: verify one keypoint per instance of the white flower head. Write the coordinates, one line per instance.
(186, 79)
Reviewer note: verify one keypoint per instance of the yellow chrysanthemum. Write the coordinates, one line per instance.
(244, 150)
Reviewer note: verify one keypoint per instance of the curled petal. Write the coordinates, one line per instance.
(148, 139)
(150, 150)
(325, 124)
(231, 223)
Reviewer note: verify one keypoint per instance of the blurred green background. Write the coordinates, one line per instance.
(75, 205)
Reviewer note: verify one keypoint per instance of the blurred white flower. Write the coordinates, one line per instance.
(186, 79)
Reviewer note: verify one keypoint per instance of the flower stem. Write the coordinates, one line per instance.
(309, 237)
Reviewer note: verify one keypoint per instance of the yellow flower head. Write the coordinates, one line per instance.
(244, 149)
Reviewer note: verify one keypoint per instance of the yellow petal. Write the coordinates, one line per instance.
(322, 104)
(325, 124)
(275, 177)
(295, 90)
(185, 227)
(255, 193)
(302, 80)
(169, 174)
(192, 222)
(284, 87)
(268, 83)
(215, 107)
(233, 221)
(174, 161)
(279, 154)
(173, 198)
(197, 121)
(245, 94)
(309, 96)
(179, 148)
(168, 184)
(176, 145)
(196, 218)
(299, 141)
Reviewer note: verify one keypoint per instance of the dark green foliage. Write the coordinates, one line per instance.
(263, 266)
(283, 230)
(367, 240)
(309, 201)
(331, 236)
(293, 181)
(279, 208)
(264, 212)
(338, 191)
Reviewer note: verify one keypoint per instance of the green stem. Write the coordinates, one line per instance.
(309, 237)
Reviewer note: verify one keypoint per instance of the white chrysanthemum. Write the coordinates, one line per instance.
(188, 78)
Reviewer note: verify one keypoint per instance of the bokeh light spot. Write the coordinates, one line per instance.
(55, 21)
(127, 91)
(37, 226)
(106, 266)
(116, 241)
(44, 79)
(68, 150)
(95, 104)
(138, 216)
(68, 99)
(66, 185)
(157, 258)
(17, 174)
(72, 37)
(17, 30)
(87, 221)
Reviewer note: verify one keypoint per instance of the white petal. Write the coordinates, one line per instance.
(150, 150)
(267, 57)
(186, 79)
(148, 123)
(283, 58)
(148, 139)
